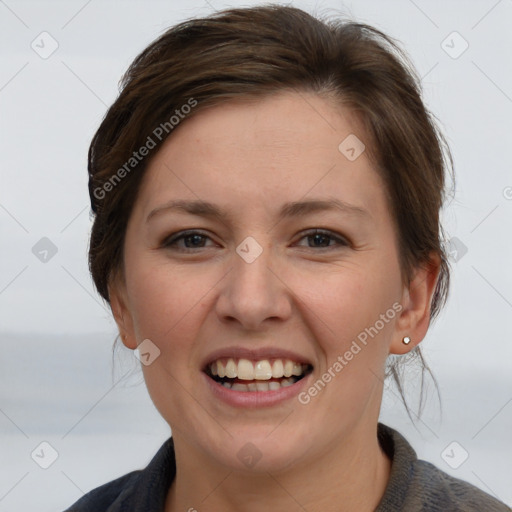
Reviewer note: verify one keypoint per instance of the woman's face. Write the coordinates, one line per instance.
(253, 292)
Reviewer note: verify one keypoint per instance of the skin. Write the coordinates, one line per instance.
(311, 297)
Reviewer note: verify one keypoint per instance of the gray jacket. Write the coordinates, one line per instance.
(414, 485)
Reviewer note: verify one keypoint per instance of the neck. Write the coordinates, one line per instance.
(351, 476)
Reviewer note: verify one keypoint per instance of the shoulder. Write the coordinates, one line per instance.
(439, 491)
(101, 498)
(418, 486)
(141, 490)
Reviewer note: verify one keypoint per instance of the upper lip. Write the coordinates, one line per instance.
(237, 352)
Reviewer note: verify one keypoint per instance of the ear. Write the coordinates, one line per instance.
(414, 318)
(122, 315)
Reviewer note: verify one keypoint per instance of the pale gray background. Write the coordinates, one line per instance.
(57, 380)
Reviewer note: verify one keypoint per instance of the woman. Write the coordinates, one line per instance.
(266, 192)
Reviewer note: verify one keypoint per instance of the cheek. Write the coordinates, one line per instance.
(344, 302)
(166, 300)
(167, 308)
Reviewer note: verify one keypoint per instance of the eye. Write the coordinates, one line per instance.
(191, 239)
(321, 239)
(187, 241)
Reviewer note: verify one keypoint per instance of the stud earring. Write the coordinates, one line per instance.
(406, 340)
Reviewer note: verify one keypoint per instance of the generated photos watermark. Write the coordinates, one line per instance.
(159, 133)
(344, 359)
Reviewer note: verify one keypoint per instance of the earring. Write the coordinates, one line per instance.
(406, 340)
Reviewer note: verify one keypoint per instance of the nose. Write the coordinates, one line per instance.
(253, 294)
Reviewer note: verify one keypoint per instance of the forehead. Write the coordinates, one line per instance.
(267, 152)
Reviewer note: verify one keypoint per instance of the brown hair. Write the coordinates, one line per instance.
(251, 52)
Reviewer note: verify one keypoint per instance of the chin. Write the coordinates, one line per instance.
(256, 450)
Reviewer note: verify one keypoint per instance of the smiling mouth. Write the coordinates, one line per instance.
(262, 375)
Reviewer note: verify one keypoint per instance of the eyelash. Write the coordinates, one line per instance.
(171, 241)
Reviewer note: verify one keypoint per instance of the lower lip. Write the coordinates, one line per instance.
(255, 398)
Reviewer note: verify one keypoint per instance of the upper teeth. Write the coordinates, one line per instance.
(257, 370)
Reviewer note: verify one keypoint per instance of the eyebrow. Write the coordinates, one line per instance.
(288, 210)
